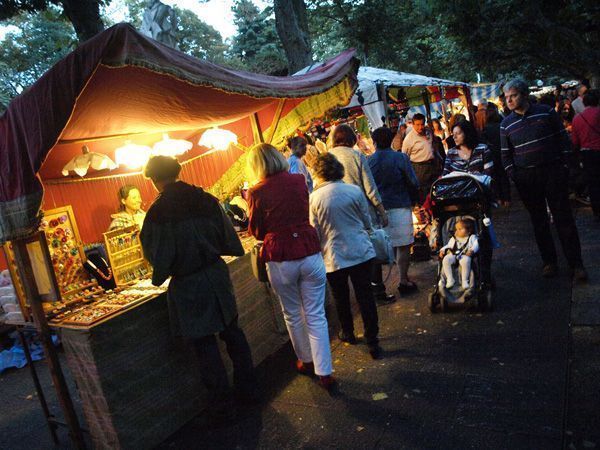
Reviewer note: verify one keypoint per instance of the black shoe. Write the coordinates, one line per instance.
(549, 271)
(579, 274)
(384, 298)
(375, 351)
(406, 289)
(350, 339)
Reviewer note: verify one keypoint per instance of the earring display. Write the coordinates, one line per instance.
(126, 255)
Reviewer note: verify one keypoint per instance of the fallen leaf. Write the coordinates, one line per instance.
(359, 428)
(337, 361)
(454, 324)
(417, 391)
(406, 396)
(29, 397)
(501, 363)
(380, 396)
(418, 314)
(499, 323)
(360, 370)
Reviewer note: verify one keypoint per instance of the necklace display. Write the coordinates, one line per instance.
(105, 277)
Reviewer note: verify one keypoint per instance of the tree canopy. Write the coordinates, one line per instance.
(495, 39)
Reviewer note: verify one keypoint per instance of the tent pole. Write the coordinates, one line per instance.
(29, 284)
(445, 107)
(275, 123)
(469, 102)
(427, 105)
(256, 131)
(382, 96)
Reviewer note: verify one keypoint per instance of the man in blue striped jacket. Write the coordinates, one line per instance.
(535, 147)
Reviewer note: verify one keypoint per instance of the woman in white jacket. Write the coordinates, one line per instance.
(340, 214)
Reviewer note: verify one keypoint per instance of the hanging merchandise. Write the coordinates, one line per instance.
(81, 163)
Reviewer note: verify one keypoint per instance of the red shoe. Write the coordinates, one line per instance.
(327, 382)
(307, 369)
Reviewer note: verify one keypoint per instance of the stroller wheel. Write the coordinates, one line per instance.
(485, 301)
(432, 301)
(443, 304)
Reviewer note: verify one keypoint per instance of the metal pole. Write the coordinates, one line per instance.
(38, 386)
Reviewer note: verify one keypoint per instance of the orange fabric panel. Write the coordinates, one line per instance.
(129, 100)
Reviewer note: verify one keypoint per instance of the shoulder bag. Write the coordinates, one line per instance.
(259, 267)
(384, 252)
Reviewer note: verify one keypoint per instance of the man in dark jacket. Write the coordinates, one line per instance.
(185, 233)
(534, 149)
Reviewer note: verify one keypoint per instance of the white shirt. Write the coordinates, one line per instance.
(418, 148)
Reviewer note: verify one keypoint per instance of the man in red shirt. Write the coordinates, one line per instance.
(586, 138)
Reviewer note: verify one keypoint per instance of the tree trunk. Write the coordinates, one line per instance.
(292, 28)
(85, 17)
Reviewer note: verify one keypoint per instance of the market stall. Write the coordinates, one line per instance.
(382, 91)
(67, 144)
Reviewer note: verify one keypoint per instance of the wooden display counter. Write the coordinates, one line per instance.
(138, 384)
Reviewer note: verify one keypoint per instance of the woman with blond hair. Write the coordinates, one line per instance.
(278, 206)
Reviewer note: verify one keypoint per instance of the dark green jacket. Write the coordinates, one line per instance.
(184, 235)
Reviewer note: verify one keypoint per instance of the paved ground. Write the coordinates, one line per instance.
(526, 375)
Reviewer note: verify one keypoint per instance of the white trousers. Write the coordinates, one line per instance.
(300, 286)
(465, 269)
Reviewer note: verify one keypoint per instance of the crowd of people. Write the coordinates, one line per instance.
(315, 221)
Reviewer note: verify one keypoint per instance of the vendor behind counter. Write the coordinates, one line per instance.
(130, 212)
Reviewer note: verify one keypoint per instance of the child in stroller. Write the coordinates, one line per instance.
(459, 207)
(459, 251)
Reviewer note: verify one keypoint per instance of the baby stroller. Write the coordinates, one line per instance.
(454, 197)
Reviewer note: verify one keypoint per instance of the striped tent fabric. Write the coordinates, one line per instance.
(480, 93)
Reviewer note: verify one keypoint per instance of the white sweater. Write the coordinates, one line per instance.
(463, 244)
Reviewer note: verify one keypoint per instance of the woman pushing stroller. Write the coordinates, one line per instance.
(460, 205)
(469, 156)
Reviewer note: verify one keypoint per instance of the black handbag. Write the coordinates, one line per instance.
(259, 267)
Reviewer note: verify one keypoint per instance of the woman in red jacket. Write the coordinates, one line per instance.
(278, 206)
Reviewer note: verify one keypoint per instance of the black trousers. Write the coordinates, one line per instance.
(591, 170)
(426, 172)
(360, 275)
(213, 372)
(537, 186)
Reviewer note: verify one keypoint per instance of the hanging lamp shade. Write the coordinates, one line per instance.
(81, 163)
(171, 147)
(133, 156)
(217, 139)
